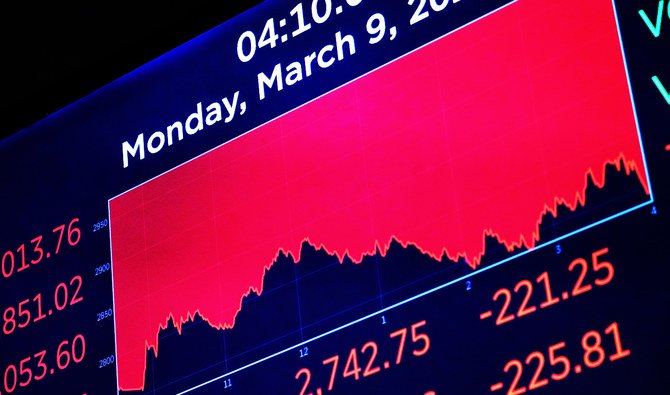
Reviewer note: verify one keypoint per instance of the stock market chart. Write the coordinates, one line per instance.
(353, 196)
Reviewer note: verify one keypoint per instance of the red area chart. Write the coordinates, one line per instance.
(479, 133)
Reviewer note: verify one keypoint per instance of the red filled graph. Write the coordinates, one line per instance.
(479, 133)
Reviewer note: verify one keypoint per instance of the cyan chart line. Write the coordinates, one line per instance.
(422, 294)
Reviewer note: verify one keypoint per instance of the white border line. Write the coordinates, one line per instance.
(632, 101)
(111, 274)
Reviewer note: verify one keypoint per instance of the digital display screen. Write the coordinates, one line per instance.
(419, 197)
